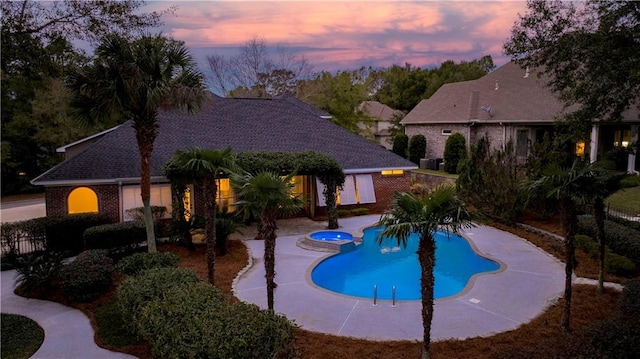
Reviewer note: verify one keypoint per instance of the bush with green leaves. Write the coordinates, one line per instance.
(400, 145)
(137, 213)
(136, 263)
(613, 263)
(88, 276)
(621, 239)
(118, 238)
(630, 181)
(619, 337)
(135, 292)
(360, 211)
(53, 234)
(38, 270)
(455, 150)
(417, 148)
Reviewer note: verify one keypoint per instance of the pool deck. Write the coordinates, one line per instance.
(530, 280)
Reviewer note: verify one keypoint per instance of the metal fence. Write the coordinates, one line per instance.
(630, 213)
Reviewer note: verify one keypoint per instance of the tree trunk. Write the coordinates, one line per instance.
(269, 232)
(569, 219)
(145, 146)
(598, 215)
(426, 256)
(209, 195)
(330, 199)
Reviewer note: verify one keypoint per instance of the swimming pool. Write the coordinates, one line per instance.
(355, 273)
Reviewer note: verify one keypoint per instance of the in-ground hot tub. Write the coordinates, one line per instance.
(329, 241)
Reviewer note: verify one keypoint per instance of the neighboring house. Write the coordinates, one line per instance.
(103, 175)
(509, 104)
(382, 116)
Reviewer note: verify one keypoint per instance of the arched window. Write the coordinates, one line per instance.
(82, 200)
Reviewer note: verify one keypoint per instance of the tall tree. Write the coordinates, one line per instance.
(570, 187)
(135, 79)
(407, 214)
(206, 168)
(257, 72)
(589, 50)
(37, 50)
(268, 196)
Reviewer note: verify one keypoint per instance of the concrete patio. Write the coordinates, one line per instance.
(530, 280)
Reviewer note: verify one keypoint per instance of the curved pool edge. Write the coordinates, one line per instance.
(501, 304)
(468, 286)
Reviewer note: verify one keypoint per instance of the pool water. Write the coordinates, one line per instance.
(355, 273)
(331, 236)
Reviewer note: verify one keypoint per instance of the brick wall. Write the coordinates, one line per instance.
(435, 139)
(108, 200)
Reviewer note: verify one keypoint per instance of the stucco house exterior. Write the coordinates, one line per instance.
(509, 103)
(102, 172)
(382, 116)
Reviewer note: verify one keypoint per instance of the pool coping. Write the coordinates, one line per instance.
(529, 281)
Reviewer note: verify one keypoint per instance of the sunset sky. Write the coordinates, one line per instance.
(344, 35)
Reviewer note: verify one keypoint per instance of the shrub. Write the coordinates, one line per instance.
(117, 238)
(54, 234)
(455, 150)
(619, 337)
(613, 263)
(417, 148)
(227, 223)
(150, 285)
(621, 239)
(138, 262)
(630, 181)
(342, 213)
(400, 145)
(137, 213)
(38, 270)
(170, 323)
(88, 276)
(360, 211)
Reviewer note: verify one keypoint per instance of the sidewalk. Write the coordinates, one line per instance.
(68, 332)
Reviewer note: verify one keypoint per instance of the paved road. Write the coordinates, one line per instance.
(11, 211)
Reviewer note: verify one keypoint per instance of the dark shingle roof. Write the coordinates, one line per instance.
(512, 96)
(275, 125)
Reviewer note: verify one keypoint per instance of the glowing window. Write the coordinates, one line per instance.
(580, 149)
(392, 172)
(226, 197)
(82, 200)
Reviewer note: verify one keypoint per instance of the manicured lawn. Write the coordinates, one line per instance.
(21, 336)
(626, 201)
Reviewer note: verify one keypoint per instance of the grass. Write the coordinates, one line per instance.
(626, 201)
(21, 336)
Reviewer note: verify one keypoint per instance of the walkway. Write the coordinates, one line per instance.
(530, 281)
(68, 332)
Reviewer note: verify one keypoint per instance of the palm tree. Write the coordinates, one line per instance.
(407, 214)
(206, 167)
(134, 79)
(267, 195)
(571, 187)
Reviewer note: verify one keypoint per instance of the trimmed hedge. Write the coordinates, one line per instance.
(621, 239)
(455, 150)
(138, 262)
(183, 317)
(613, 263)
(135, 292)
(52, 234)
(417, 148)
(117, 238)
(88, 276)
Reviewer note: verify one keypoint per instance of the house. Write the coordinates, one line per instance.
(103, 175)
(382, 116)
(510, 104)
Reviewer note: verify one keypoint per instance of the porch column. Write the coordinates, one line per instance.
(631, 162)
(593, 155)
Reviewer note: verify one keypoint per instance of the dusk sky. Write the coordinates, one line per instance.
(345, 35)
